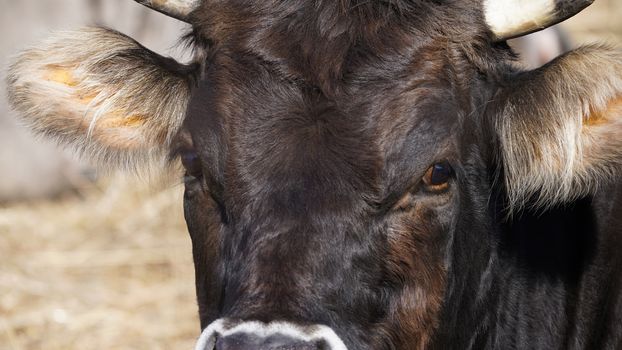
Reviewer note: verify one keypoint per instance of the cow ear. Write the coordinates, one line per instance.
(560, 127)
(103, 94)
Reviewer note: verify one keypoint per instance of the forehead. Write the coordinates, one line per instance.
(322, 40)
(338, 46)
(329, 96)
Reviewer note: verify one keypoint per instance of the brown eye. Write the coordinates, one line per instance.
(191, 162)
(438, 175)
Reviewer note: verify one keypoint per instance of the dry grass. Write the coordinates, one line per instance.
(113, 270)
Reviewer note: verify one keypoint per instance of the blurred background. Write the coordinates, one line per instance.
(87, 261)
(104, 262)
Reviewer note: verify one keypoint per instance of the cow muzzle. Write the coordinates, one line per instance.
(224, 334)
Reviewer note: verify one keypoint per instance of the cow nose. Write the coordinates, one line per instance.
(274, 342)
(226, 334)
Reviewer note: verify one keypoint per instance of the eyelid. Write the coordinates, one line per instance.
(192, 163)
(181, 142)
(417, 183)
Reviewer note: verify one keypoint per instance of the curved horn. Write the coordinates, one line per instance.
(512, 18)
(179, 9)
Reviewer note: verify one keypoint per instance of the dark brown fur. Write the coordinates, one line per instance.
(303, 146)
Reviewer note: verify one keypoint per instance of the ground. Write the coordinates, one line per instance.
(108, 269)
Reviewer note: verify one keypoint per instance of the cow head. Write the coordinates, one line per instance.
(347, 163)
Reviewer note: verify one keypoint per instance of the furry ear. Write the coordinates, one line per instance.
(102, 93)
(560, 127)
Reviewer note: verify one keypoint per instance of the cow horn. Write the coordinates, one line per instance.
(513, 18)
(179, 9)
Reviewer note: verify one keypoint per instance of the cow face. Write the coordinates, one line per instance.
(322, 202)
(342, 164)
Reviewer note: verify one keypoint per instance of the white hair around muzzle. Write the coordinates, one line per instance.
(225, 327)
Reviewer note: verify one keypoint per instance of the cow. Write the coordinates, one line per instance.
(365, 174)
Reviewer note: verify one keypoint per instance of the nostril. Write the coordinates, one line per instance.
(244, 341)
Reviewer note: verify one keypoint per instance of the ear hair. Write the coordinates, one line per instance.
(560, 127)
(102, 93)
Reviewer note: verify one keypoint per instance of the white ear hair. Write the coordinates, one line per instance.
(102, 93)
(560, 127)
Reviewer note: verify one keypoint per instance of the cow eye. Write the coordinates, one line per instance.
(437, 177)
(192, 163)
